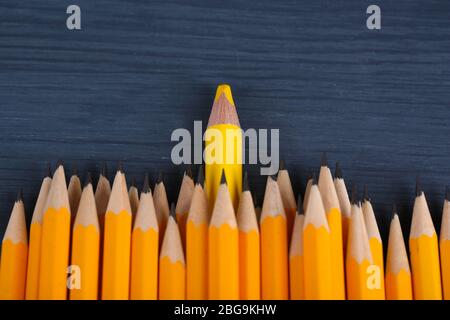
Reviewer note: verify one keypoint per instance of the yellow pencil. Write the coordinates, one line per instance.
(55, 240)
(424, 251)
(344, 202)
(317, 249)
(86, 245)
(444, 246)
(249, 251)
(334, 217)
(223, 249)
(13, 266)
(34, 249)
(296, 256)
(398, 273)
(359, 257)
(144, 249)
(223, 147)
(197, 243)
(287, 196)
(274, 249)
(376, 247)
(172, 266)
(184, 202)
(117, 242)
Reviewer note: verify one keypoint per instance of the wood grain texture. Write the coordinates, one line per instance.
(378, 101)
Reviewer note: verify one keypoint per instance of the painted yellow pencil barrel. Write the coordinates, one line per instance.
(144, 266)
(116, 256)
(223, 271)
(172, 279)
(274, 258)
(196, 260)
(34, 255)
(424, 253)
(317, 262)
(249, 265)
(13, 270)
(444, 247)
(85, 255)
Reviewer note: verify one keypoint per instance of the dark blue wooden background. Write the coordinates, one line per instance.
(378, 101)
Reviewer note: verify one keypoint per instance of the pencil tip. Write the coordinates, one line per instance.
(88, 179)
(104, 171)
(74, 169)
(19, 195)
(282, 165)
(418, 187)
(394, 209)
(146, 186)
(299, 204)
(447, 193)
(49, 170)
(120, 166)
(338, 171)
(133, 181)
(160, 178)
(324, 160)
(274, 177)
(172, 211)
(201, 176)
(223, 178)
(245, 186)
(226, 90)
(310, 176)
(188, 171)
(355, 194)
(313, 178)
(366, 193)
(59, 163)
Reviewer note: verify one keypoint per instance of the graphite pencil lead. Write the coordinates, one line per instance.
(88, 179)
(394, 210)
(274, 177)
(313, 178)
(299, 204)
(447, 193)
(418, 187)
(49, 170)
(133, 181)
(355, 194)
(338, 171)
(74, 169)
(172, 211)
(104, 171)
(188, 171)
(282, 165)
(160, 178)
(59, 163)
(324, 160)
(120, 166)
(19, 195)
(223, 178)
(245, 186)
(366, 193)
(201, 176)
(146, 186)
